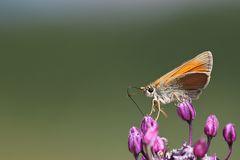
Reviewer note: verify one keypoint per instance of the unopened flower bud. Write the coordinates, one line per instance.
(200, 148)
(135, 141)
(159, 145)
(149, 128)
(229, 133)
(148, 122)
(186, 111)
(150, 136)
(211, 126)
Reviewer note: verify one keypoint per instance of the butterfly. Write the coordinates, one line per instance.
(185, 82)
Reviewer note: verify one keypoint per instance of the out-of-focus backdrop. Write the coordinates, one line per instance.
(65, 66)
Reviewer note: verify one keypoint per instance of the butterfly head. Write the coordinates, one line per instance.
(149, 91)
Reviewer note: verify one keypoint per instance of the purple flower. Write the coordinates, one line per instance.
(135, 141)
(200, 148)
(146, 144)
(214, 157)
(186, 111)
(149, 129)
(150, 136)
(211, 126)
(148, 122)
(229, 133)
(159, 145)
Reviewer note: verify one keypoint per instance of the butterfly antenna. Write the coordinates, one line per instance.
(130, 96)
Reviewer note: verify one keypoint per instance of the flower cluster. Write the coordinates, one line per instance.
(145, 141)
(146, 144)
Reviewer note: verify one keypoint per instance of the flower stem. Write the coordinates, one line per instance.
(144, 154)
(209, 139)
(190, 133)
(147, 152)
(229, 152)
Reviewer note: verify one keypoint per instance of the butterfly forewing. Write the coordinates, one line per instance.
(190, 77)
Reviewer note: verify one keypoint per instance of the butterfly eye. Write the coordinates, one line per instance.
(150, 90)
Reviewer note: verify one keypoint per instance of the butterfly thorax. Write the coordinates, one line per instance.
(160, 94)
(165, 95)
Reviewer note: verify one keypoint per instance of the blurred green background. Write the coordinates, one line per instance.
(65, 67)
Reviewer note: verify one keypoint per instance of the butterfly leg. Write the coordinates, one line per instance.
(153, 106)
(180, 98)
(158, 107)
(160, 110)
(155, 102)
(177, 97)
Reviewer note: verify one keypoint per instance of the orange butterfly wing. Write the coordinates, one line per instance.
(191, 75)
